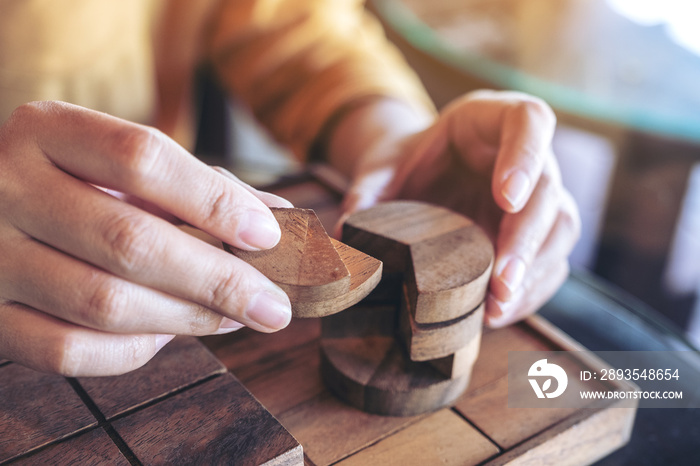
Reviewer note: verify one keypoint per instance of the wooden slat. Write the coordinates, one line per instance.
(492, 363)
(583, 438)
(36, 409)
(488, 409)
(330, 430)
(442, 438)
(182, 362)
(217, 422)
(94, 448)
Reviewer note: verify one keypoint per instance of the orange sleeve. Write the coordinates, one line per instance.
(297, 63)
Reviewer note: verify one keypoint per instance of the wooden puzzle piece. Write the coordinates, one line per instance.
(432, 341)
(304, 263)
(446, 258)
(182, 362)
(217, 422)
(365, 274)
(36, 409)
(363, 363)
(431, 440)
(93, 447)
(461, 362)
(320, 275)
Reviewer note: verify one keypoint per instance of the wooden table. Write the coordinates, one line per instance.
(192, 406)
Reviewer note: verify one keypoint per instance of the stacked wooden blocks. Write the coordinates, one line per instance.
(410, 346)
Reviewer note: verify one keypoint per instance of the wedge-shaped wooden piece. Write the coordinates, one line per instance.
(446, 258)
(432, 341)
(304, 263)
(320, 275)
(365, 274)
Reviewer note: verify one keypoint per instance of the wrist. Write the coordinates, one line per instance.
(372, 128)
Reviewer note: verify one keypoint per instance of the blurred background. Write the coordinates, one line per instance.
(623, 77)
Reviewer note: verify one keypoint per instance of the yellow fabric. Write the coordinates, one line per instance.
(295, 63)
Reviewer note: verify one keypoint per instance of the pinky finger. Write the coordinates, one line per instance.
(500, 314)
(546, 274)
(47, 344)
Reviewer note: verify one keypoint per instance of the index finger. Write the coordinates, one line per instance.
(143, 162)
(527, 127)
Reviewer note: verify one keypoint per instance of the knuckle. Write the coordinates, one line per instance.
(534, 107)
(569, 214)
(68, 356)
(29, 112)
(203, 321)
(108, 307)
(130, 238)
(225, 293)
(136, 351)
(221, 202)
(138, 149)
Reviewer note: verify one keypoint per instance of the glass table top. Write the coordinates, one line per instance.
(582, 57)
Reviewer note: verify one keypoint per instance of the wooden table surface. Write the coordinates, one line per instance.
(187, 406)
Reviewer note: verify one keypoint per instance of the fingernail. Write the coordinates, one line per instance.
(228, 325)
(511, 272)
(162, 340)
(258, 231)
(271, 310)
(516, 187)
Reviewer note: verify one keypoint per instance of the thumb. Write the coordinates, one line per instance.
(366, 190)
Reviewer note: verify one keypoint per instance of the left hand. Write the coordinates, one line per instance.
(489, 156)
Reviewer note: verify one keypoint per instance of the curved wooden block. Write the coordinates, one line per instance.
(425, 342)
(445, 257)
(364, 364)
(365, 274)
(320, 275)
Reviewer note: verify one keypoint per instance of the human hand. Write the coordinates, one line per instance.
(95, 284)
(488, 155)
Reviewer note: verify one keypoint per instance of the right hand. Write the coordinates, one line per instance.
(93, 283)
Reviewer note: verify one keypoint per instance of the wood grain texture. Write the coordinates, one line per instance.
(330, 430)
(93, 447)
(286, 379)
(182, 362)
(559, 435)
(583, 438)
(304, 263)
(245, 346)
(460, 363)
(320, 275)
(217, 422)
(438, 340)
(446, 258)
(36, 409)
(363, 363)
(492, 363)
(441, 438)
(451, 274)
(365, 274)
